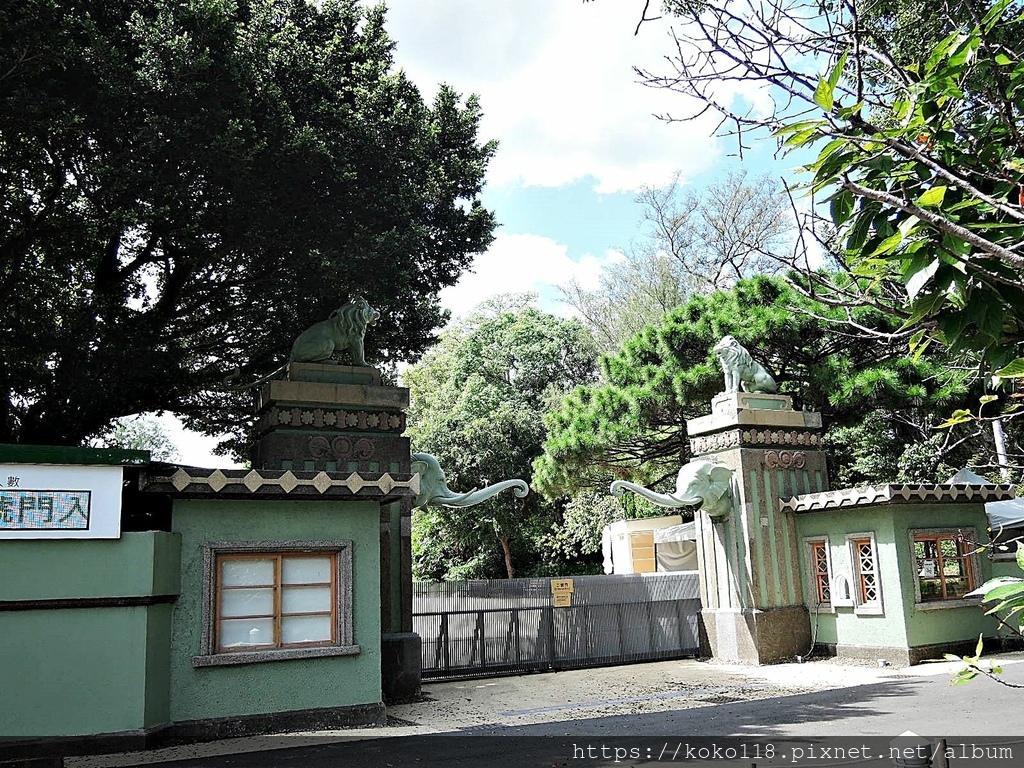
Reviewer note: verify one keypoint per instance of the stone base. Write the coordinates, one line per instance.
(758, 635)
(918, 654)
(193, 731)
(400, 667)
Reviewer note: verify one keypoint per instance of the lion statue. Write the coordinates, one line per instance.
(741, 370)
(344, 329)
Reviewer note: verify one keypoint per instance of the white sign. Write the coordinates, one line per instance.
(43, 501)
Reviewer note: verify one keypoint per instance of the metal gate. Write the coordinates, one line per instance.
(513, 625)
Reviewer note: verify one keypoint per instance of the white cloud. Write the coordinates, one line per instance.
(524, 263)
(557, 88)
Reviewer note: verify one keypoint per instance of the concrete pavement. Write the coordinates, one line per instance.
(643, 705)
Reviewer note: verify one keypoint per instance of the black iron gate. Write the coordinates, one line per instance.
(514, 625)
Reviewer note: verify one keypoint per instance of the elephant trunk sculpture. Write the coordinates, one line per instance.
(661, 499)
(699, 482)
(434, 488)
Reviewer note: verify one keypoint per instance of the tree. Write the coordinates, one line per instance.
(632, 424)
(695, 242)
(920, 151)
(187, 185)
(478, 400)
(141, 432)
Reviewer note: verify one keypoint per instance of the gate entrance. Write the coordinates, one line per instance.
(508, 626)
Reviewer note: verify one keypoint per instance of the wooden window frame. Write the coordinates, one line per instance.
(342, 641)
(278, 586)
(971, 567)
(820, 593)
(861, 603)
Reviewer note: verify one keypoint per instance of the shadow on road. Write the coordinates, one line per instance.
(557, 743)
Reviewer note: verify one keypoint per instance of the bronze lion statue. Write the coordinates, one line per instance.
(344, 329)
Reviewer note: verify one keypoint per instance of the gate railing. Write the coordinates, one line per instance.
(513, 625)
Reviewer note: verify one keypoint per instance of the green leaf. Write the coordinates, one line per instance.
(1014, 370)
(932, 198)
(964, 676)
(1020, 555)
(960, 416)
(919, 279)
(988, 399)
(890, 244)
(980, 647)
(994, 14)
(823, 95)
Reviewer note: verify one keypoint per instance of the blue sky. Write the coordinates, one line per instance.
(577, 133)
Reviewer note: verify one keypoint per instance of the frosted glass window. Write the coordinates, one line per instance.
(306, 600)
(246, 633)
(305, 629)
(247, 602)
(238, 572)
(275, 600)
(306, 570)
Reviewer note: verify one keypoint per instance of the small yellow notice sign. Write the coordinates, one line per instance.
(563, 599)
(561, 585)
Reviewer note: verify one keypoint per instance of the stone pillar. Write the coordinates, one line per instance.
(341, 419)
(332, 418)
(749, 564)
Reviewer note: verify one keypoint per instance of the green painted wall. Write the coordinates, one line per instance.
(904, 624)
(844, 626)
(942, 625)
(139, 563)
(395, 577)
(85, 670)
(226, 691)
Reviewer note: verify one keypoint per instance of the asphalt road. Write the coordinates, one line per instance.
(555, 721)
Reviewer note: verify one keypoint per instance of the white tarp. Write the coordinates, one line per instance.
(684, 532)
(1001, 514)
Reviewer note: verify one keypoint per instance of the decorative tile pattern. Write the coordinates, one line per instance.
(332, 418)
(785, 460)
(754, 437)
(242, 482)
(941, 493)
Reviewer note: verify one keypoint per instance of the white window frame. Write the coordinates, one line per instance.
(861, 606)
(812, 574)
(972, 561)
(344, 643)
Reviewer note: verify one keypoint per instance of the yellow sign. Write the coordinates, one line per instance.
(561, 585)
(563, 599)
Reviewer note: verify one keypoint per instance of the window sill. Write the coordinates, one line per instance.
(938, 605)
(869, 610)
(275, 654)
(821, 608)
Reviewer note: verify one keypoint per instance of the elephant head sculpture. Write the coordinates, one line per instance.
(434, 489)
(699, 482)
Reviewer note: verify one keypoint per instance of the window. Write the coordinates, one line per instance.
(867, 587)
(275, 601)
(944, 566)
(820, 572)
(264, 602)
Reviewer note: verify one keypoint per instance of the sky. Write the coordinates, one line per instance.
(578, 137)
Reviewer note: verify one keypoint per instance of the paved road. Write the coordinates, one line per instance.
(650, 714)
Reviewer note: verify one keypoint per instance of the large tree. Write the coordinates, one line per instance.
(478, 401)
(632, 424)
(187, 185)
(915, 109)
